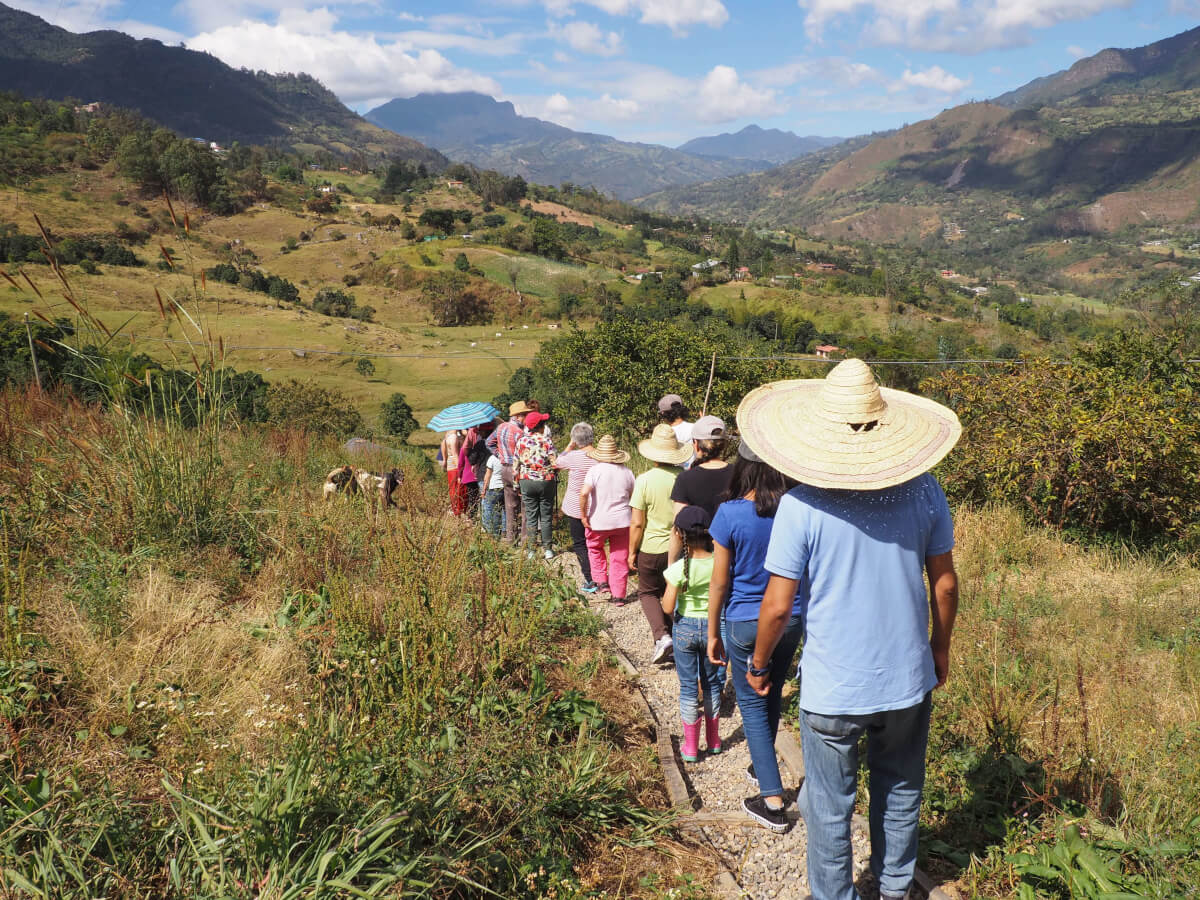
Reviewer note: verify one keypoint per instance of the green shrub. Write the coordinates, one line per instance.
(1108, 445)
(396, 417)
(304, 405)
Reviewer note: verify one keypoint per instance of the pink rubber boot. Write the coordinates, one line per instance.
(712, 733)
(689, 750)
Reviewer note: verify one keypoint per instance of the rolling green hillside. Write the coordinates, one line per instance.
(193, 93)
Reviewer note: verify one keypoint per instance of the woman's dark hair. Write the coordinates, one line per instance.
(712, 448)
(675, 412)
(768, 484)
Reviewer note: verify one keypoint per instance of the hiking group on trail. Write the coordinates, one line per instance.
(827, 532)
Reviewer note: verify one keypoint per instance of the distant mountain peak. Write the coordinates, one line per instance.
(755, 142)
(489, 133)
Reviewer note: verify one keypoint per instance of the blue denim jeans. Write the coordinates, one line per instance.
(896, 741)
(760, 715)
(692, 666)
(493, 511)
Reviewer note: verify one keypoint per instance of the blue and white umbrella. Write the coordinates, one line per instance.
(463, 415)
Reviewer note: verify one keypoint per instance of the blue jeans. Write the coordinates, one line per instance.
(896, 741)
(692, 666)
(760, 715)
(493, 511)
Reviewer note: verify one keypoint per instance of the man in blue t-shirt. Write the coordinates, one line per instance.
(861, 534)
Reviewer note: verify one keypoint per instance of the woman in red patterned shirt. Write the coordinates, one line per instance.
(535, 476)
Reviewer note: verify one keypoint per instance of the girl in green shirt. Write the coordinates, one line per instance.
(686, 598)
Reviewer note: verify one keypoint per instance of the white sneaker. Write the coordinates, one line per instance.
(663, 649)
(548, 553)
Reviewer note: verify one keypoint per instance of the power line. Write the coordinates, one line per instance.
(995, 361)
(316, 351)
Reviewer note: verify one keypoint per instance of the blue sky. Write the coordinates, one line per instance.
(661, 71)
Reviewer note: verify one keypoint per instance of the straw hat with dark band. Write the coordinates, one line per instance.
(663, 447)
(844, 431)
(605, 450)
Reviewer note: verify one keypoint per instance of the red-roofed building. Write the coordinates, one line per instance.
(826, 351)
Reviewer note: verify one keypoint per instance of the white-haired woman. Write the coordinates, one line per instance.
(575, 460)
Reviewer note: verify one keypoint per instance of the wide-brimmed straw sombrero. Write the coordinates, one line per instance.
(605, 450)
(662, 446)
(845, 431)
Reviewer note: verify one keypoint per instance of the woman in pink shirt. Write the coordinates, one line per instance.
(577, 463)
(605, 512)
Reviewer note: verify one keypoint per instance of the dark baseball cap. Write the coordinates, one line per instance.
(692, 517)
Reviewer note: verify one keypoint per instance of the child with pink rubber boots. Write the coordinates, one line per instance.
(686, 598)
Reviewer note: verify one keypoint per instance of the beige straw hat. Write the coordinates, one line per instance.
(605, 450)
(662, 446)
(845, 431)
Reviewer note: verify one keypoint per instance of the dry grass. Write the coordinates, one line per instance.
(184, 667)
(1091, 655)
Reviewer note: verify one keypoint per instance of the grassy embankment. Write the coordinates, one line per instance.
(1073, 701)
(213, 684)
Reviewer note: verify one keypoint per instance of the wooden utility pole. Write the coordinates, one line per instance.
(712, 370)
(33, 354)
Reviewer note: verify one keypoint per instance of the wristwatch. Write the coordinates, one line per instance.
(757, 673)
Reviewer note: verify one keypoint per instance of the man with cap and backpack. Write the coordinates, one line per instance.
(859, 537)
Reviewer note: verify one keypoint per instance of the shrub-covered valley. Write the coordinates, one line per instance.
(214, 684)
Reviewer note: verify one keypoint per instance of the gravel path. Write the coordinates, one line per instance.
(764, 864)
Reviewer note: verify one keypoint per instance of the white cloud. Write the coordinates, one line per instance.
(1076, 52)
(485, 45)
(964, 26)
(935, 78)
(557, 109)
(722, 97)
(355, 67)
(836, 71)
(610, 108)
(587, 38)
(678, 15)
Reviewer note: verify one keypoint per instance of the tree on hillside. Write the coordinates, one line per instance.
(441, 219)
(547, 238)
(732, 257)
(454, 301)
(399, 178)
(397, 418)
(296, 404)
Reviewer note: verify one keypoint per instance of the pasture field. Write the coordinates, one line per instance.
(432, 367)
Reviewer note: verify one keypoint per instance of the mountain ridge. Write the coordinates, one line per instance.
(755, 142)
(489, 133)
(1118, 146)
(190, 92)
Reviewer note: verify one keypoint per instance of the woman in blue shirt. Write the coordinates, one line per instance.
(741, 531)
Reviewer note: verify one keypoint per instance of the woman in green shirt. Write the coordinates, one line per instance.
(650, 529)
